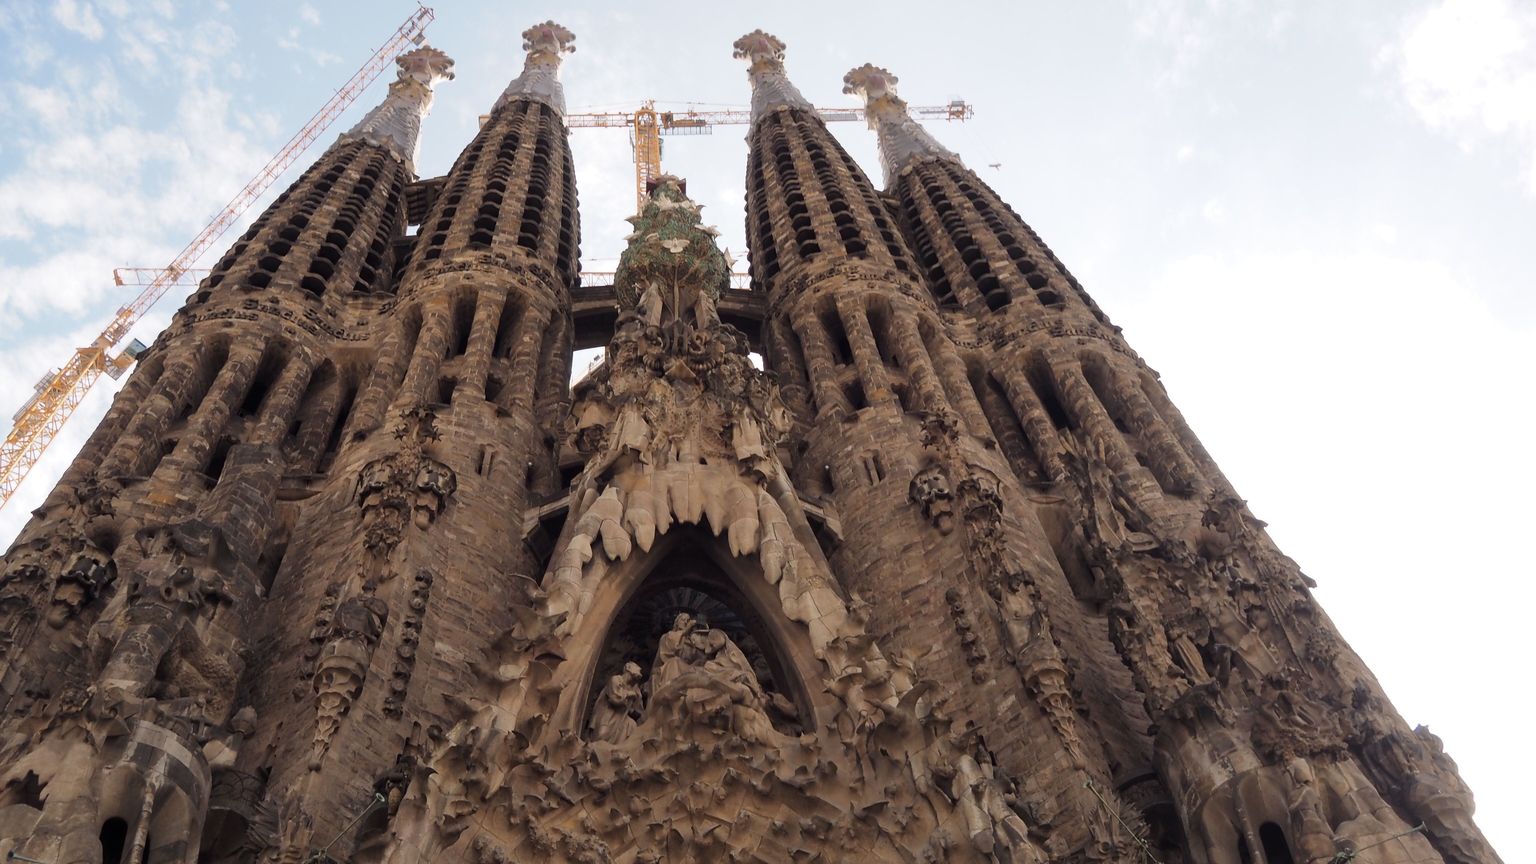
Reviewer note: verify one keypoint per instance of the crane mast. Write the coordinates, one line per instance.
(647, 125)
(61, 391)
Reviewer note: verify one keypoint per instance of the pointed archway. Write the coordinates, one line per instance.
(688, 581)
(691, 570)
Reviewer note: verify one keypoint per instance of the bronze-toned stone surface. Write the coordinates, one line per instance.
(350, 571)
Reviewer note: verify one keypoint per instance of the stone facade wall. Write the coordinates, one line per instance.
(350, 573)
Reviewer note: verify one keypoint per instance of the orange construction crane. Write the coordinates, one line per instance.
(604, 278)
(647, 125)
(60, 391)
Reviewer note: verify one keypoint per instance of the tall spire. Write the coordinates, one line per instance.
(902, 140)
(395, 123)
(770, 86)
(540, 81)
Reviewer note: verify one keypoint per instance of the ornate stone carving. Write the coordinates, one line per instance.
(701, 677)
(410, 642)
(540, 81)
(770, 87)
(408, 486)
(930, 490)
(902, 140)
(354, 630)
(165, 648)
(1413, 770)
(618, 706)
(395, 123)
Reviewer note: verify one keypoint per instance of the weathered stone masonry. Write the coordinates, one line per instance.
(350, 572)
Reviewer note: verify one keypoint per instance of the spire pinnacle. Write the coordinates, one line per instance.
(771, 88)
(902, 140)
(545, 43)
(395, 123)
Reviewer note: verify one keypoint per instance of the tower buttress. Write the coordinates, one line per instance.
(1255, 703)
(447, 451)
(153, 559)
(893, 435)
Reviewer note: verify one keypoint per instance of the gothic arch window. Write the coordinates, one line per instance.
(687, 581)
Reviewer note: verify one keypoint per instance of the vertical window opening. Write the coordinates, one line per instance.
(854, 391)
(505, 328)
(216, 461)
(463, 322)
(266, 376)
(837, 340)
(1276, 850)
(1039, 376)
(333, 441)
(114, 840)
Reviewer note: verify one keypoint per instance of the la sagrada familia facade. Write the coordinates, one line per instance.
(350, 572)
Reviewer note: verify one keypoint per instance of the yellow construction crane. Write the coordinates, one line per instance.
(647, 125)
(60, 391)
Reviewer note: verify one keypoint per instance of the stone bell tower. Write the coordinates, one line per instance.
(351, 572)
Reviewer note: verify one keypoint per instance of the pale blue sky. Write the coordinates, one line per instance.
(1314, 218)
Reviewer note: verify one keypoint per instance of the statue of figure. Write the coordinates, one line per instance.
(930, 489)
(1308, 824)
(961, 770)
(1415, 769)
(1023, 620)
(619, 705)
(701, 673)
(674, 654)
(650, 305)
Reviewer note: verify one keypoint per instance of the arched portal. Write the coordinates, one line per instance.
(684, 575)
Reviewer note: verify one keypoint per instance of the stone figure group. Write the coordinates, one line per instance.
(699, 674)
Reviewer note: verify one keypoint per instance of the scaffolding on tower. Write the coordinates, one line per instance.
(60, 391)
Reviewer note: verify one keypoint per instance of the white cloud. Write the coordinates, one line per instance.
(102, 170)
(309, 14)
(1468, 69)
(78, 18)
(48, 104)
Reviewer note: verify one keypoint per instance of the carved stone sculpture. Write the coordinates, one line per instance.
(353, 571)
(618, 706)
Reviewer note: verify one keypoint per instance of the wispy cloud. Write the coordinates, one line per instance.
(114, 157)
(79, 18)
(1468, 69)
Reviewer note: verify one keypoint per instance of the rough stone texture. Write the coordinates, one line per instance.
(349, 573)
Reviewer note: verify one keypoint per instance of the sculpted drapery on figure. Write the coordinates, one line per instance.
(613, 718)
(700, 675)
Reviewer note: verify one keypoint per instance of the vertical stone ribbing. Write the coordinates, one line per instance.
(431, 477)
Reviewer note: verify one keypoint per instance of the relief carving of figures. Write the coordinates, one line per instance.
(963, 772)
(166, 645)
(1309, 824)
(618, 706)
(1023, 619)
(53, 578)
(355, 628)
(701, 676)
(931, 491)
(408, 486)
(1287, 723)
(1414, 771)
